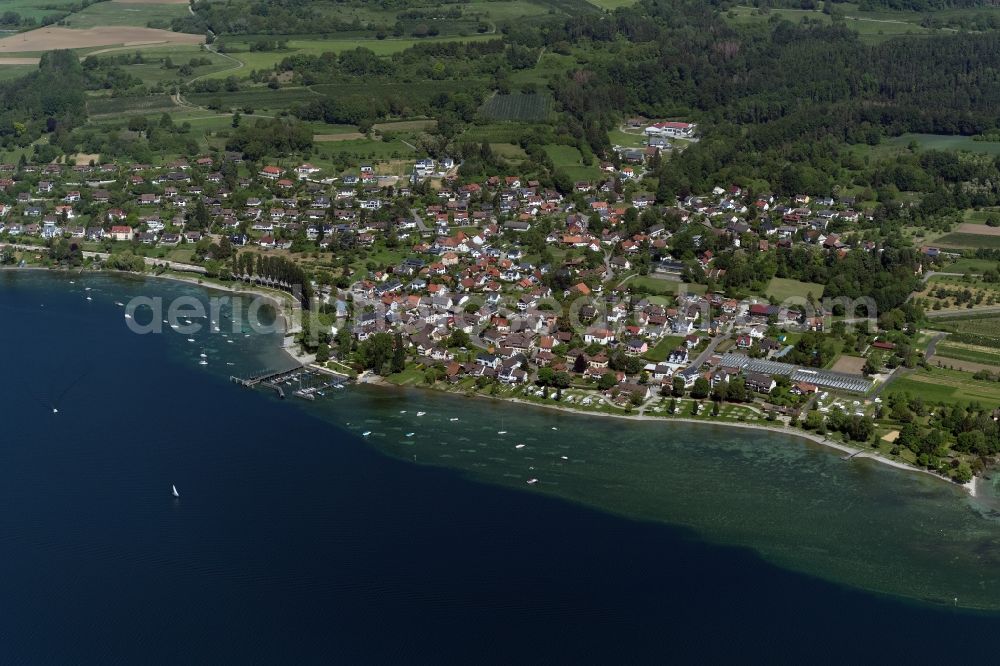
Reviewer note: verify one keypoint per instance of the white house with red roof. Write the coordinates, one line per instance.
(676, 130)
(271, 172)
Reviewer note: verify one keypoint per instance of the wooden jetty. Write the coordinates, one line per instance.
(309, 381)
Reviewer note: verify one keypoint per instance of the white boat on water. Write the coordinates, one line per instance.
(119, 304)
(454, 418)
(519, 446)
(410, 434)
(532, 482)
(89, 298)
(366, 433)
(128, 316)
(421, 413)
(173, 491)
(190, 339)
(203, 355)
(501, 432)
(55, 410)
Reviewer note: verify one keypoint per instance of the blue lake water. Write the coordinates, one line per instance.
(297, 540)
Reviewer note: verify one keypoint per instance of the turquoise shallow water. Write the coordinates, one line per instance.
(298, 539)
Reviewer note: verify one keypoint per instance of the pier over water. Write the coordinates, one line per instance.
(304, 382)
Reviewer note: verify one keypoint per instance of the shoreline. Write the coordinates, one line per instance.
(854, 452)
(375, 380)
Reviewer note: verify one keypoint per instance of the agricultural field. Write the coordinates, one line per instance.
(868, 25)
(782, 289)
(973, 216)
(968, 352)
(49, 38)
(158, 15)
(494, 133)
(400, 95)
(259, 99)
(948, 386)
(957, 239)
(517, 107)
(36, 9)
(612, 5)
(986, 324)
(947, 292)
(118, 106)
(405, 126)
(238, 48)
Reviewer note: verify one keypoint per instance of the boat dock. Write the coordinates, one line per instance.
(303, 382)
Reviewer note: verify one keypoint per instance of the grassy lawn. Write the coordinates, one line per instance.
(783, 288)
(970, 266)
(411, 375)
(14, 71)
(948, 386)
(662, 286)
(569, 160)
(371, 149)
(620, 138)
(663, 348)
(946, 142)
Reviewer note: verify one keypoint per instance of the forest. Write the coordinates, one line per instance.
(48, 100)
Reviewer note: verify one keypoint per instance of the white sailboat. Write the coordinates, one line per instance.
(173, 491)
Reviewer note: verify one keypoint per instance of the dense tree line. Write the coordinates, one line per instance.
(281, 271)
(271, 136)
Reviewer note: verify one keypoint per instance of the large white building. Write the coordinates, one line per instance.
(671, 129)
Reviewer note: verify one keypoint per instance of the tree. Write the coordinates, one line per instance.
(701, 388)
(375, 352)
(323, 353)
(607, 380)
(398, 354)
(678, 386)
(580, 364)
(458, 338)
